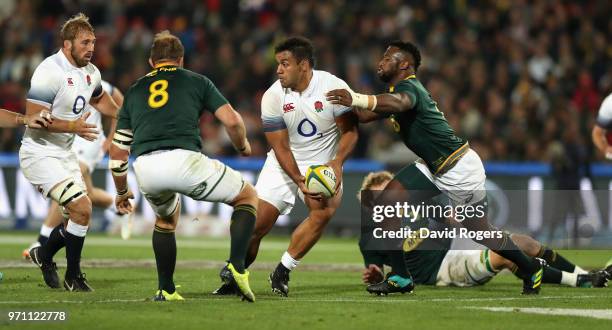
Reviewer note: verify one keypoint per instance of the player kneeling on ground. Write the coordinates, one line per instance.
(158, 124)
(444, 267)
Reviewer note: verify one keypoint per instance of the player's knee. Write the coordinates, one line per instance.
(79, 210)
(248, 196)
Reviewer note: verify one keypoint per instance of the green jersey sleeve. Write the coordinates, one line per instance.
(212, 97)
(123, 121)
(408, 89)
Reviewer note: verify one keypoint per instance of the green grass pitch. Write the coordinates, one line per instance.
(325, 292)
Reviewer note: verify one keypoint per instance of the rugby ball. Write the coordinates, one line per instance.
(321, 179)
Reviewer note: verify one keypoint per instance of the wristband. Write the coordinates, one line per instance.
(363, 101)
(122, 192)
(71, 126)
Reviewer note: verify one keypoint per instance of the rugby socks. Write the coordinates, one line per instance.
(508, 249)
(552, 275)
(241, 229)
(45, 232)
(570, 279)
(75, 238)
(54, 243)
(288, 262)
(164, 247)
(556, 260)
(398, 263)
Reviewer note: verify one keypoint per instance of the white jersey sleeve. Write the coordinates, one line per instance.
(45, 84)
(338, 83)
(271, 109)
(604, 116)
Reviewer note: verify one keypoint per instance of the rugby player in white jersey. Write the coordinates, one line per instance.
(303, 129)
(89, 154)
(64, 83)
(602, 127)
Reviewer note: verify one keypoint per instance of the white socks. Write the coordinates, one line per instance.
(45, 230)
(288, 261)
(569, 279)
(76, 229)
(579, 270)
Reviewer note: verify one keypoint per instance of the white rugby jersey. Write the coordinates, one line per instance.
(604, 116)
(307, 116)
(66, 91)
(95, 118)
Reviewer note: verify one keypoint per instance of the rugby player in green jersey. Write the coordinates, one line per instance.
(159, 125)
(447, 166)
(431, 261)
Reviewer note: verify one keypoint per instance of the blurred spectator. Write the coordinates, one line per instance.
(508, 75)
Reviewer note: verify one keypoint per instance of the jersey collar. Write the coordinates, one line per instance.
(392, 88)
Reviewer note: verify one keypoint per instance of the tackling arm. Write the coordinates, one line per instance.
(235, 128)
(382, 104)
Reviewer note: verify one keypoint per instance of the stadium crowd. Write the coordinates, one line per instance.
(521, 82)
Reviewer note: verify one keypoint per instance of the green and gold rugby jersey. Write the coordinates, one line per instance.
(425, 130)
(163, 109)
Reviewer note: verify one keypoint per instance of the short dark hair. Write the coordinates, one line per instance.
(166, 47)
(300, 47)
(409, 48)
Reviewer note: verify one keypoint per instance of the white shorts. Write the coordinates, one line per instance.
(45, 172)
(162, 175)
(88, 152)
(276, 187)
(464, 268)
(464, 183)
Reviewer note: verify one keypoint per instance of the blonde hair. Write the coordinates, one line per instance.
(374, 179)
(75, 25)
(166, 46)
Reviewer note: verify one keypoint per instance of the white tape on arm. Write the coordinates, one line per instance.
(363, 101)
(118, 167)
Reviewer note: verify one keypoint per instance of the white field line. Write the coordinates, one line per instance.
(201, 264)
(369, 299)
(605, 314)
(181, 243)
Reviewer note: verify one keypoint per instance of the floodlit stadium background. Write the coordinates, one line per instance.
(522, 81)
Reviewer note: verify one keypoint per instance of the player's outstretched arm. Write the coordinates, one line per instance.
(79, 126)
(383, 104)
(347, 125)
(598, 135)
(12, 119)
(234, 125)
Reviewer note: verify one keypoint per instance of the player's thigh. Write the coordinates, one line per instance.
(465, 182)
(47, 173)
(324, 209)
(276, 188)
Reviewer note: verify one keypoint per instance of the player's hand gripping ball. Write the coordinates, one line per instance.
(321, 179)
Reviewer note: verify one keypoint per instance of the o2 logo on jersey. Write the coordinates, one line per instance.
(306, 128)
(79, 105)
